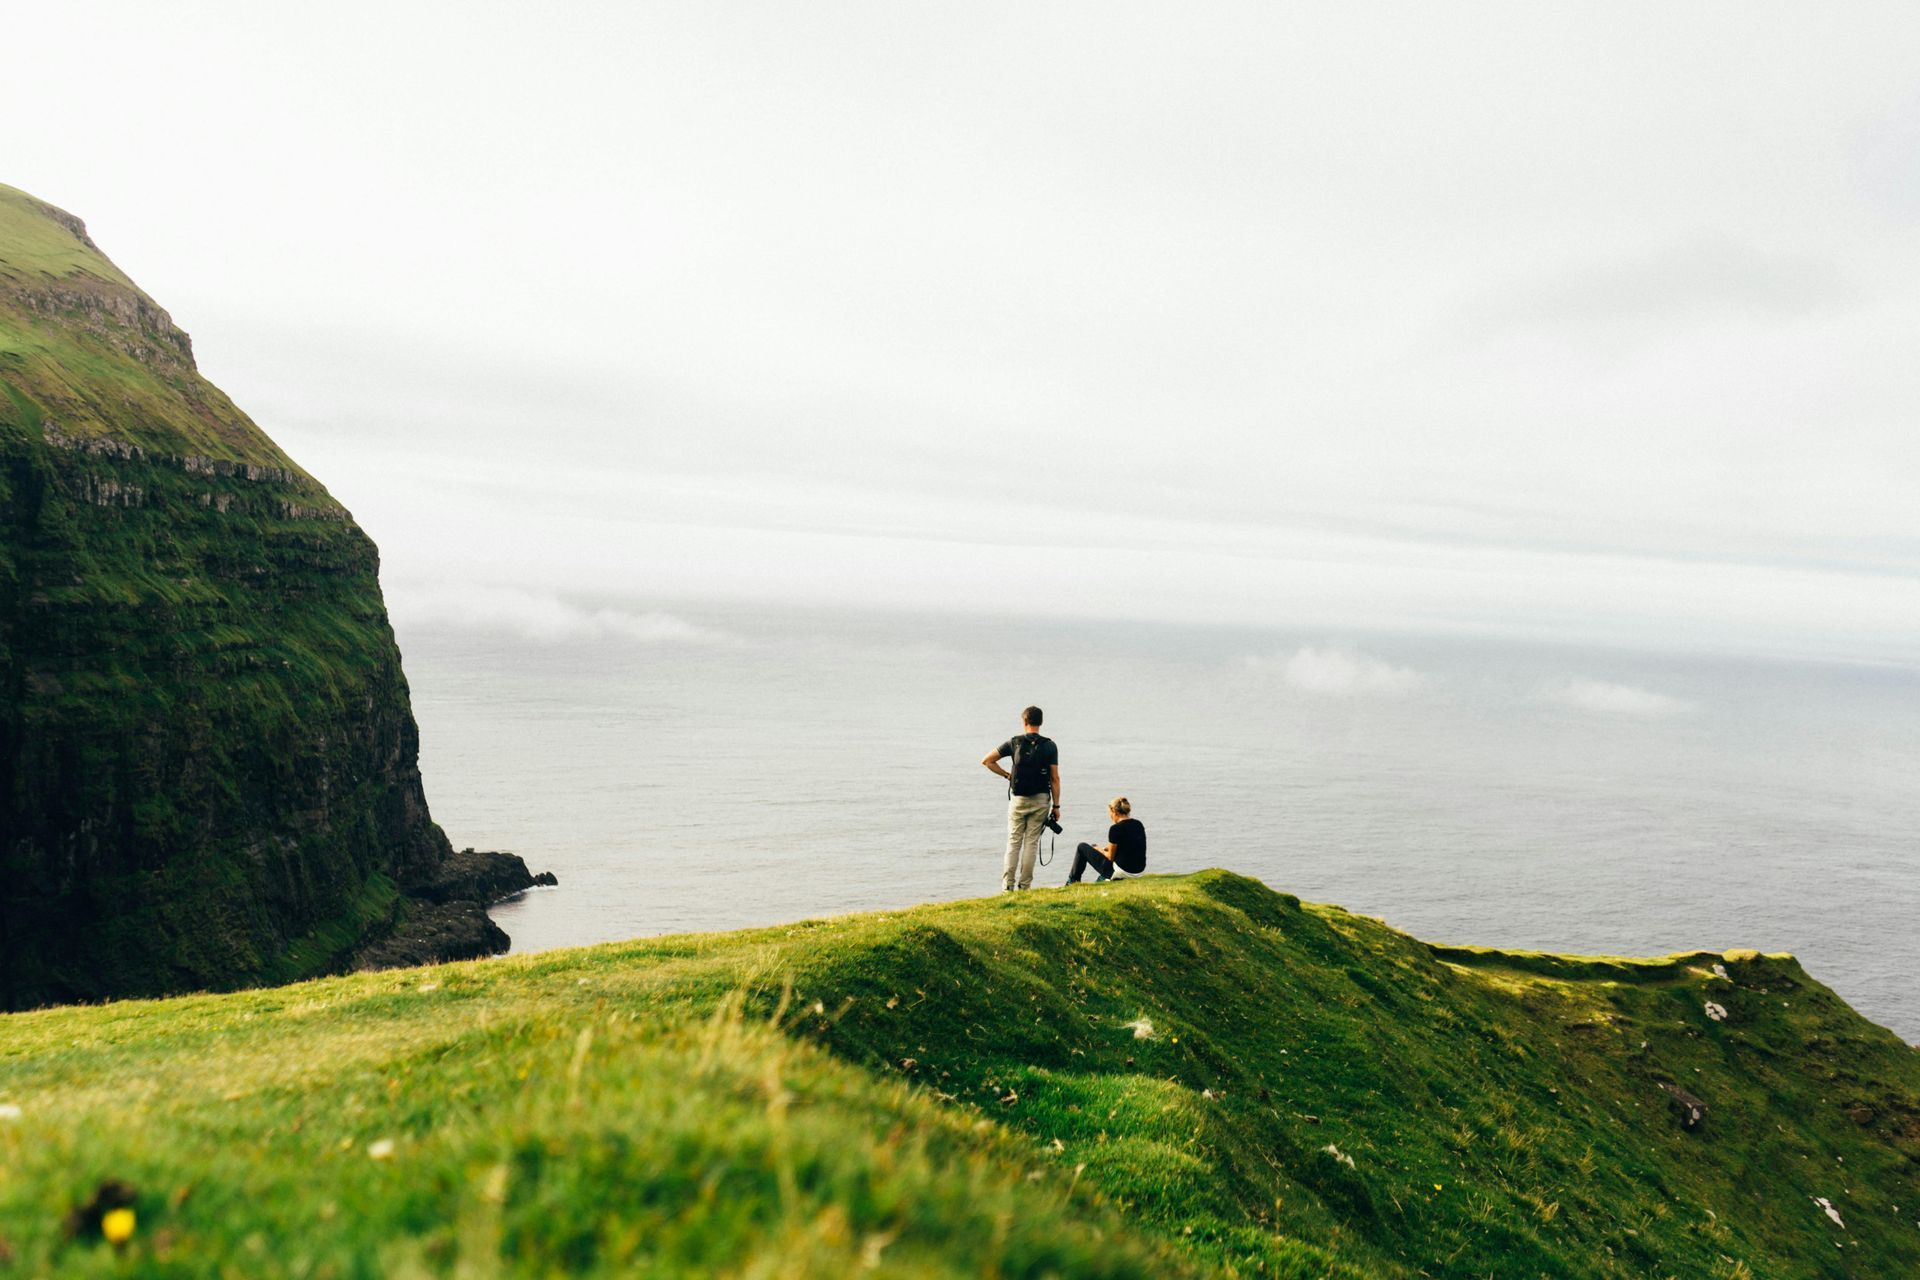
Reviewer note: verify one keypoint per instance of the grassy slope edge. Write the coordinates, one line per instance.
(973, 1089)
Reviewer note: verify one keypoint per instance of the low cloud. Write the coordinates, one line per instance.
(1701, 279)
(544, 617)
(1605, 698)
(1340, 673)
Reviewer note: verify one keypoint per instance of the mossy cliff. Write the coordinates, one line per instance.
(208, 763)
(1174, 1076)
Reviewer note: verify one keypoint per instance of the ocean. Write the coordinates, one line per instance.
(727, 767)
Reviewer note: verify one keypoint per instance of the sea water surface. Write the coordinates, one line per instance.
(730, 767)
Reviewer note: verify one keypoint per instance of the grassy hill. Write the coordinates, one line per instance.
(1179, 1076)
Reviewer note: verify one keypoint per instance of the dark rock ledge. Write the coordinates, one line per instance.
(445, 918)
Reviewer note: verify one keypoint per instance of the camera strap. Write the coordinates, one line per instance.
(1053, 807)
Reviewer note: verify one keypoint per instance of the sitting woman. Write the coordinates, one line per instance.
(1126, 846)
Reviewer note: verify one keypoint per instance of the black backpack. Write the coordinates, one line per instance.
(1030, 776)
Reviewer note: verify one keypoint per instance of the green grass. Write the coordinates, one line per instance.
(962, 1089)
(326, 948)
(37, 245)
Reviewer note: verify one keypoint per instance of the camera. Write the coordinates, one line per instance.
(1053, 824)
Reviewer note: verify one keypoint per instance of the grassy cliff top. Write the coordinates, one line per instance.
(1168, 1077)
(40, 243)
(90, 361)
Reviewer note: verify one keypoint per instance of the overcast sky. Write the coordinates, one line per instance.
(1593, 321)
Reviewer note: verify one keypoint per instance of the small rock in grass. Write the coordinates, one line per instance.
(9, 1111)
(1717, 1012)
(1142, 1029)
(1690, 1110)
(1338, 1154)
(1826, 1206)
(381, 1149)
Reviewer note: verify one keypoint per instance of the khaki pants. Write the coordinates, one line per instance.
(1026, 818)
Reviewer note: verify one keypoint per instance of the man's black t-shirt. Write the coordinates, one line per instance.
(1032, 776)
(1129, 840)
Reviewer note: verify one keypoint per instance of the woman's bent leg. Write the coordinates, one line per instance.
(1088, 856)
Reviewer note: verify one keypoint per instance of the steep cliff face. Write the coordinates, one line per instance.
(208, 762)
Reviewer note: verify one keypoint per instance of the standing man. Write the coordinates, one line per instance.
(1033, 786)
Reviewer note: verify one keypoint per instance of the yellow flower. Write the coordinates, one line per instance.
(117, 1226)
(1438, 1187)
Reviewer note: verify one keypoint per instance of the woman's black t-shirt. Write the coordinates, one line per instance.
(1129, 840)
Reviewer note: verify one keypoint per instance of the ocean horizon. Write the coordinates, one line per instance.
(726, 767)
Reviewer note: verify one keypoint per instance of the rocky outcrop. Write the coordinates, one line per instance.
(1687, 1109)
(445, 916)
(485, 878)
(209, 766)
(435, 933)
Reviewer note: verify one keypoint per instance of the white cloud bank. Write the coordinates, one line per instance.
(542, 617)
(698, 313)
(1605, 698)
(1340, 673)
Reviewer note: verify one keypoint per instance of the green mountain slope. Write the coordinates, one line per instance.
(208, 763)
(1174, 1076)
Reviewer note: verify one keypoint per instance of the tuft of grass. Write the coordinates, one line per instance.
(959, 1090)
